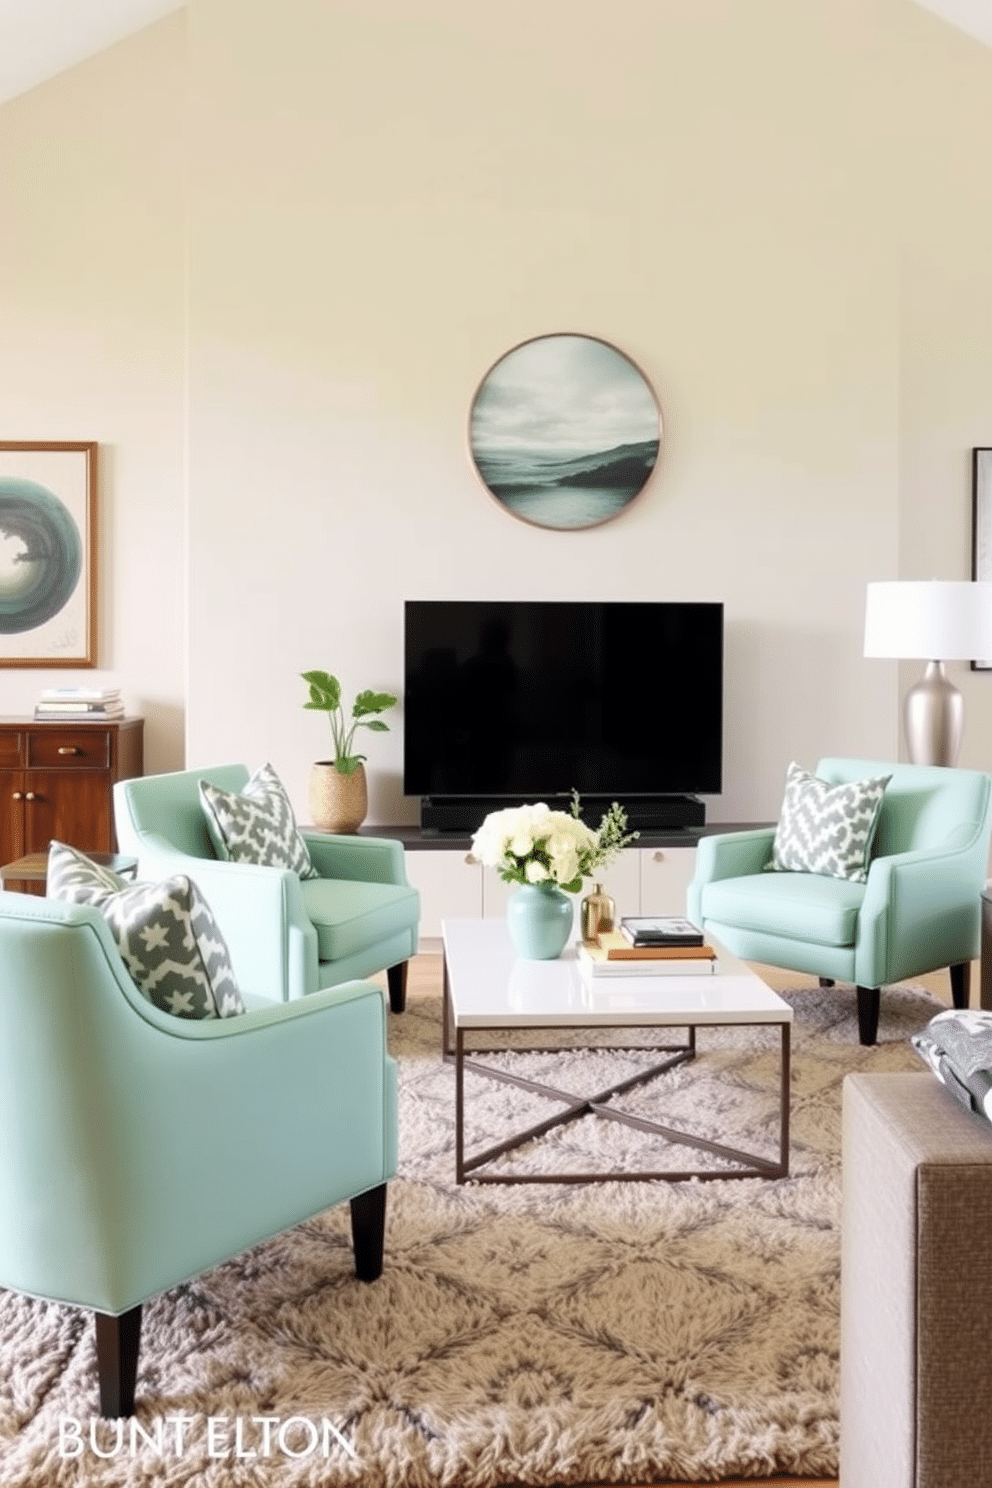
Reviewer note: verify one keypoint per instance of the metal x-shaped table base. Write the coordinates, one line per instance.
(749, 1165)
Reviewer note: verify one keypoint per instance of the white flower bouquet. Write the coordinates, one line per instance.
(535, 845)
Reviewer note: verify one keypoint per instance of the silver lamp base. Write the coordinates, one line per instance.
(934, 718)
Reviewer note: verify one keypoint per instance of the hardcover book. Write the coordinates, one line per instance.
(594, 961)
(618, 948)
(660, 930)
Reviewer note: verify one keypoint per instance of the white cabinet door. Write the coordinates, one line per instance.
(666, 873)
(494, 894)
(450, 887)
(622, 881)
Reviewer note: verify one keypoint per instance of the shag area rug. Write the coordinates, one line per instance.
(612, 1333)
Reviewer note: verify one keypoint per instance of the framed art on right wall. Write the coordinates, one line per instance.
(981, 527)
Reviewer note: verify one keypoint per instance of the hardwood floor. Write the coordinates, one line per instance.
(425, 981)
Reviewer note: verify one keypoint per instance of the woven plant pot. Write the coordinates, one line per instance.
(338, 803)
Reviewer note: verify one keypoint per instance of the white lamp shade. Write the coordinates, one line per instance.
(929, 619)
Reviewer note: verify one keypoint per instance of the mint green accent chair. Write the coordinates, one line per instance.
(918, 912)
(287, 936)
(140, 1149)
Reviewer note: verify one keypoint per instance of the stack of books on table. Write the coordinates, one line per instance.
(83, 703)
(660, 946)
(664, 931)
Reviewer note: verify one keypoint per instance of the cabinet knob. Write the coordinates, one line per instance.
(29, 796)
(69, 749)
(17, 796)
(659, 856)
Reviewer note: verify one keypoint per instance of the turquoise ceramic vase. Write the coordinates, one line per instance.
(539, 919)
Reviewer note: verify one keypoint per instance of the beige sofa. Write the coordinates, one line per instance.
(916, 1287)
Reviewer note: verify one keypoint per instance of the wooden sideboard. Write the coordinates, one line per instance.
(57, 779)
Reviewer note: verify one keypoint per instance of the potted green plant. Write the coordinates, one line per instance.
(338, 788)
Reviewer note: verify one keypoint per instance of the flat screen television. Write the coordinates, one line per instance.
(508, 701)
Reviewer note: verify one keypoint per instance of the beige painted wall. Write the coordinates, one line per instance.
(385, 198)
(772, 207)
(92, 345)
(945, 319)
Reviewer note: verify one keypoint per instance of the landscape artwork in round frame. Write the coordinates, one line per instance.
(565, 431)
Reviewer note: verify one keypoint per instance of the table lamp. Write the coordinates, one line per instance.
(932, 620)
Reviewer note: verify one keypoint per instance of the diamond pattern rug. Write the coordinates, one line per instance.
(536, 1334)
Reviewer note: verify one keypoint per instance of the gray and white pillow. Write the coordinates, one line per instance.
(257, 825)
(957, 1045)
(826, 828)
(168, 939)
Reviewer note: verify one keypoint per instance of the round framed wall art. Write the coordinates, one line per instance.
(565, 431)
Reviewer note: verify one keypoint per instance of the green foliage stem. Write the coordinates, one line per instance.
(611, 836)
(325, 697)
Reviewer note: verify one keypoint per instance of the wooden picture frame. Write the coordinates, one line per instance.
(981, 528)
(48, 540)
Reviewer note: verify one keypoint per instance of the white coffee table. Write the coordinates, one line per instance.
(487, 987)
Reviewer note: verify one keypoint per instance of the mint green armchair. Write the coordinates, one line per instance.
(139, 1149)
(287, 937)
(918, 911)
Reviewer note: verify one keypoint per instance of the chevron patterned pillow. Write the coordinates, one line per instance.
(256, 826)
(827, 828)
(168, 939)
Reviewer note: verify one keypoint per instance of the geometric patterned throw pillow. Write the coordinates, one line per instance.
(257, 825)
(826, 828)
(168, 939)
(957, 1045)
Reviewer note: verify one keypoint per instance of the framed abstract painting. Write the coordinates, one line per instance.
(48, 589)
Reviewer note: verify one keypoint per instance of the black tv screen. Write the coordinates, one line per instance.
(532, 698)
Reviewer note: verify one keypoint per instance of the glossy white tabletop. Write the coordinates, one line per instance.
(491, 987)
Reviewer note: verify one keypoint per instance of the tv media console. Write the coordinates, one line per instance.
(649, 877)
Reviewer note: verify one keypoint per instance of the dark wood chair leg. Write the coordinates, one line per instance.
(368, 1230)
(826, 981)
(396, 977)
(117, 1340)
(961, 984)
(869, 999)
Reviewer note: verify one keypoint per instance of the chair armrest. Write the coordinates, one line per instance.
(272, 1015)
(285, 1111)
(921, 912)
(272, 942)
(370, 859)
(727, 855)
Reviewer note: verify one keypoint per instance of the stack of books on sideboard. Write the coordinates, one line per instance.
(649, 946)
(84, 704)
